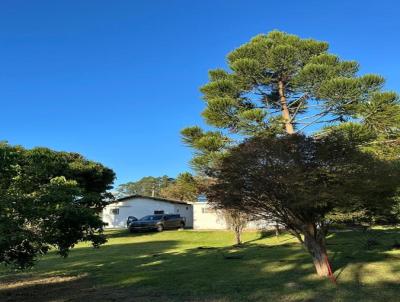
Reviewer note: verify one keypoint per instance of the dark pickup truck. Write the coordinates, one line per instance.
(158, 223)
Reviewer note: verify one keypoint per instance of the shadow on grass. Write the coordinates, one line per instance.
(125, 232)
(151, 270)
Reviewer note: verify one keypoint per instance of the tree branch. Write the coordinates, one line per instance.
(301, 100)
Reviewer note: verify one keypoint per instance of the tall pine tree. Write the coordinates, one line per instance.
(279, 84)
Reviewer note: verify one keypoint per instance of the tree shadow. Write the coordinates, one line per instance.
(354, 247)
(125, 233)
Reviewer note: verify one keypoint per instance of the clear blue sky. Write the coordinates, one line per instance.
(117, 80)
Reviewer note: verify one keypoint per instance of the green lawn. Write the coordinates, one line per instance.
(171, 266)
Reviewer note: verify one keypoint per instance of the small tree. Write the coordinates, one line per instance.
(297, 181)
(236, 221)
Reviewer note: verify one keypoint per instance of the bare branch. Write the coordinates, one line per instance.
(310, 123)
(322, 113)
(301, 100)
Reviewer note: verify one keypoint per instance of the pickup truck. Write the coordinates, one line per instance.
(158, 223)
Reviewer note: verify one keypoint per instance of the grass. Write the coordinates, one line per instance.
(203, 266)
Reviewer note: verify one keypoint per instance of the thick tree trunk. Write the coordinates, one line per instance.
(317, 249)
(285, 110)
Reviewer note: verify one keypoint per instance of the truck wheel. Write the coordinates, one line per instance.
(160, 228)
(182, 226)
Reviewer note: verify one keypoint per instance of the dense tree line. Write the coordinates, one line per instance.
(184, 187)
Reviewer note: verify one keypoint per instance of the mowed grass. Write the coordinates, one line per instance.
(204, 266)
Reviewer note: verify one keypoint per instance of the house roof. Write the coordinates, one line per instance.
(149, 197)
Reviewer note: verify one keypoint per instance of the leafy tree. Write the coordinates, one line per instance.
(146, 186)
(298, 181)
(49, 199)
(279, 83)
(185, 187)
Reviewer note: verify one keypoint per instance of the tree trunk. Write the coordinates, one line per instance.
(317, 250)
(238, 235)
(285, 110)
(277, 230)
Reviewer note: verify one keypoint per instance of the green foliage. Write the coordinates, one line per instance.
(280, 84)
(185, 187)
(381, 114)
(305, 68)
(210, 146)
(277, 81)
(48, 199)
(305, 177)
(378, 129)
(146, 186)
(305, 183)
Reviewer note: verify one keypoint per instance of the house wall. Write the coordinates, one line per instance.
(206, 218)
(140, 207)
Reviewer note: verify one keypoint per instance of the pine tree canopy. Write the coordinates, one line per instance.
(279, 83)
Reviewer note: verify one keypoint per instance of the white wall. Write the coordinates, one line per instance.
(140, 207)
(206, 218)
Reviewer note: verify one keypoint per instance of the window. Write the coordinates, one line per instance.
(207, 210)
(115, 211)
(158, 212)
(151, 218)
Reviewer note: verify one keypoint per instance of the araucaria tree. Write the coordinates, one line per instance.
(279, 84)
(49, 199)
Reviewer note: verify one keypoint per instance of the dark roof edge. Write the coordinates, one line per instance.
(149, 197)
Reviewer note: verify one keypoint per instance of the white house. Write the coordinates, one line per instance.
(199, 215)
(117, 213)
